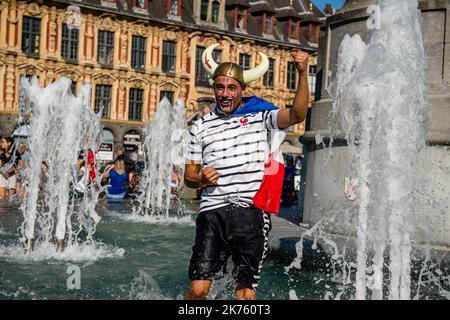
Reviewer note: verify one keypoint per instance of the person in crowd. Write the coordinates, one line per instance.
(118, 178)
(80, 175)
(23, 169)
(206, 110)
(9, 164)
(121, 155)
(298, 162)
(25, 154)
(177, 183)
(92, 167)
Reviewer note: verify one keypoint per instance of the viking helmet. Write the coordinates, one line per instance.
(233, 70)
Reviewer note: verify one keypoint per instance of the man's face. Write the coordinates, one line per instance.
(228, 92)
(4, 144)
(22, 148)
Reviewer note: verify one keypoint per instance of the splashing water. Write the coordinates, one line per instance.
(61, 125)
(164, 150)
(381, 104)
(144, 287)
(380, 110)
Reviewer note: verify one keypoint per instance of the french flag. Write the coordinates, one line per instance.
(268, 196)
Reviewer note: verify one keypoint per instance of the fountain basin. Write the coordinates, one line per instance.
(324, 189)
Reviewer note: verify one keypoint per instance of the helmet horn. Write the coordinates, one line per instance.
(257, 72)
(208, 61)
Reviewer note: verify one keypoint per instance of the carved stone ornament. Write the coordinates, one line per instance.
(141, 30)
(139, 84)
(169, 35)
(102, 78)
(33, 9)
(108, 23)
(30, 71)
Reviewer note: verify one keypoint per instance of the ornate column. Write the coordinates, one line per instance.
(184, 52)
(11, 26)
(122, 96)
(52, 36)
(123, 44)
(155, 49)
(10, 83)
(88, 51)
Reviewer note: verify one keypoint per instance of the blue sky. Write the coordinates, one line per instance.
(337, 4)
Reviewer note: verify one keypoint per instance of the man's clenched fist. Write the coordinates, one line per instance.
(301, 60)
(209, 176)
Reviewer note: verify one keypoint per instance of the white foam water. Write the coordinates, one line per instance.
(144, 287)
(185, 220)
(164, 149)
(380, 109)
(83, 252)
(61, 124)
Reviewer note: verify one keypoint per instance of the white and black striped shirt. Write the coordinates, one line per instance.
(237, 148)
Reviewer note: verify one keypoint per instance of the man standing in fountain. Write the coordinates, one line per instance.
(233, 154)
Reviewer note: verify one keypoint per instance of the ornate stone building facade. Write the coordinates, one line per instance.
(134, 52)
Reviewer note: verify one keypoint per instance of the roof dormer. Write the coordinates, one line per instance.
(210, 12)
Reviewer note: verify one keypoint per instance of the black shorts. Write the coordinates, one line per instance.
(240, 232)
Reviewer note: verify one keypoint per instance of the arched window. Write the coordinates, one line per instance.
(215, 11)
(132, 144)
(204, 10)
(107, 135)
(141, 3)
(106, 149)
(174, 7)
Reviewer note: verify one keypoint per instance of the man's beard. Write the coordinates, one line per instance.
(229, 105)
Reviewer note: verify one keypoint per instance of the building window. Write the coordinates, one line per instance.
(109, 3)
(167, 94)
(291, 76)
(244, 61)
(240, 22)
(304, 33)
(105, 49)
(31, 35)
(103, 99)
(135, 106)
(314, 34)
(138, 53)
(293, 29)
(312, 79)
(268, 28)
(169, 56)
(215, 11)
(269, 75)
(140, 4)
(204, 10)
(201, 76)
(69, 42)
(173, 9)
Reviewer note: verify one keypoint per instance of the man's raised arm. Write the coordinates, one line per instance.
(297, 114)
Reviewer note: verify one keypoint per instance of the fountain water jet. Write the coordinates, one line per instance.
(164, 149)
(61, 125)
(378, 127)
(380, 102)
